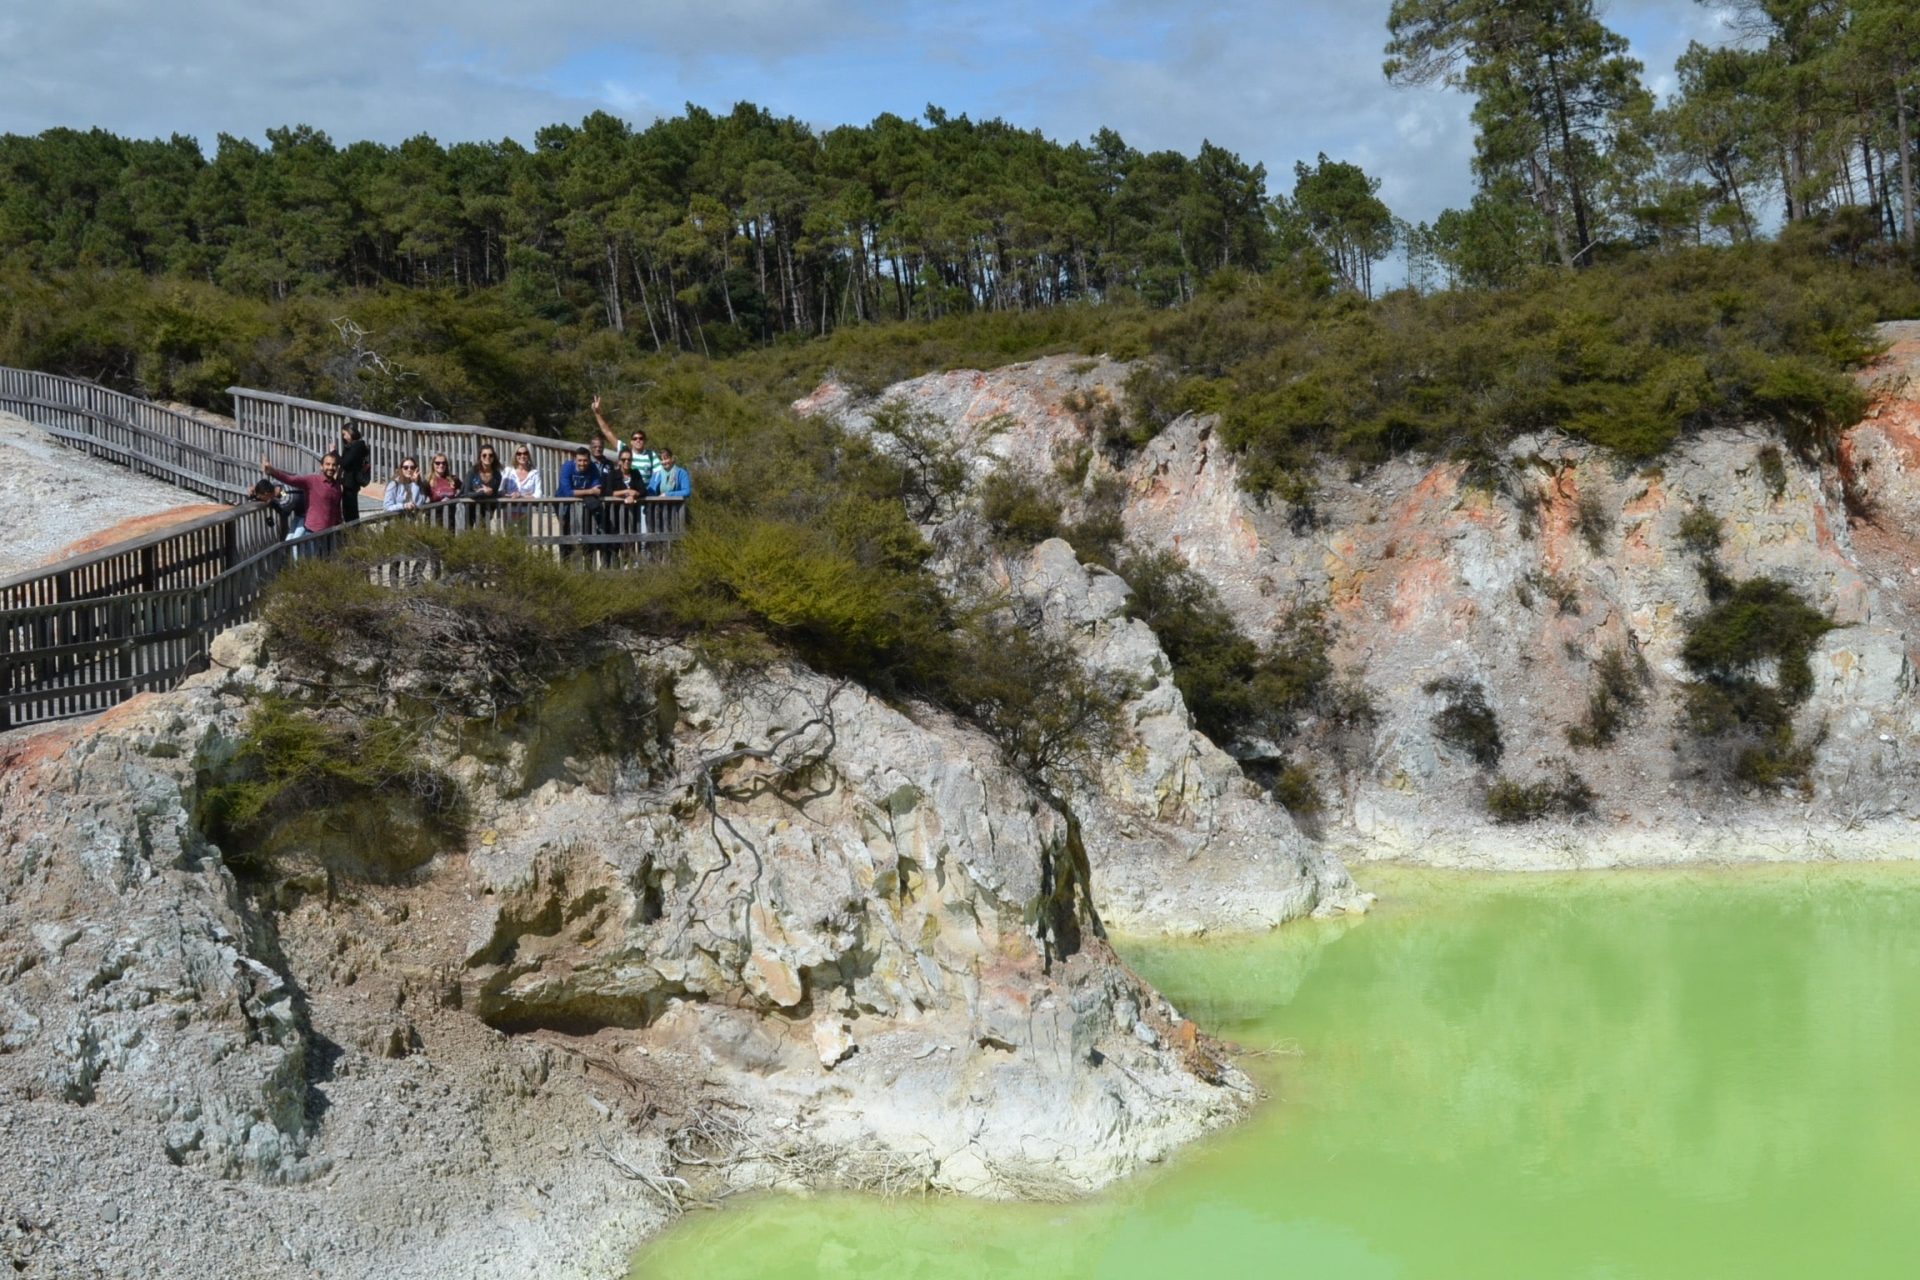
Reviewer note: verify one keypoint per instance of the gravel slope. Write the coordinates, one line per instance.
(52, 496)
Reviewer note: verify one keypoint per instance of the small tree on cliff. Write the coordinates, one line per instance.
(1051, 718)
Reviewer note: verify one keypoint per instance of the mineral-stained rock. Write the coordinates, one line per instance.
(1180, 841)
(861, 877)
(1520, 587)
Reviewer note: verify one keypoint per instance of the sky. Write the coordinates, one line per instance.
(1276, 82)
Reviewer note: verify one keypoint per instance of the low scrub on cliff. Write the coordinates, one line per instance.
(1021, 512)
(1559, 793)
(1243, 693)
(1466, 721)
(1749, 657)
(1630, 355)
(354, 794)
(1619, 688)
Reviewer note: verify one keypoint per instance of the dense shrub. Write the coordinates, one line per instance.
(1773, 469)
(1101, 528)
(1236, 688)
(1466, 722)
(1739, 724)
(1630, 355)
(1700, 532)
(1593, 521)
(353, 789)
(1019, 512)
(1562, 793)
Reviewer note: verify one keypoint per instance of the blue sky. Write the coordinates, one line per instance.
(1276, 82)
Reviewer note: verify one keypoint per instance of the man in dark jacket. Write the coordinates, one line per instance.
(356, 469)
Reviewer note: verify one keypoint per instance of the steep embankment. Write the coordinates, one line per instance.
(696, 937)
(1564, 573)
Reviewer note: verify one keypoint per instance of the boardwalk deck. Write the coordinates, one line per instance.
(86, 633)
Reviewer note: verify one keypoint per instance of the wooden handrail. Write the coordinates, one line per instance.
(85, 633)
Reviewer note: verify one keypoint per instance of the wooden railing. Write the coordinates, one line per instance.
(207, 458)
(315, 427)
(85, 633)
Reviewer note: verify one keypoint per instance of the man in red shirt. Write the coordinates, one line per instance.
(323, 491)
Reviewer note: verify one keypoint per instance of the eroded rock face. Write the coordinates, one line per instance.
(780, 924)
(135, 982)
(1180, 841)
(1521, 589)
(843, 930)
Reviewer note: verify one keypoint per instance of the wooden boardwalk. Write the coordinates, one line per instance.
(86, 633)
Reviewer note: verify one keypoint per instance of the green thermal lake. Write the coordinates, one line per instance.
(1611, 1075)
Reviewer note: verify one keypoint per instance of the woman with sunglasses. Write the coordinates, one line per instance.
(403, 491)
(523, 478)
(488, 476)
(440, 483)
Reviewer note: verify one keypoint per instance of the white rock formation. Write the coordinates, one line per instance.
(1428, 577)
(782, 925)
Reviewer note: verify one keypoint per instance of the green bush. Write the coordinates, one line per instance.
(1593, 521)
(1619, 688)
(1739, 726)
(1236, 688)
(1101, 529)
(1467, 722)
(1773, 469)
(1563, 793)
(1701, 532)
(1019, 513)
(352, 791)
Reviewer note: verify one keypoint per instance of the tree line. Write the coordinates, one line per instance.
(1806, 114)
(712, 232)
(700, 232)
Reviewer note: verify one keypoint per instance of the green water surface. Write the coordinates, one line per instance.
(1621, 1074)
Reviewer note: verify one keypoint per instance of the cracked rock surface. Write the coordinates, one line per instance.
(775, 934)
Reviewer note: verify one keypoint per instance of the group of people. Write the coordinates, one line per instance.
(318, 502)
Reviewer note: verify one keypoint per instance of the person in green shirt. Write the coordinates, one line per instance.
(646, 463)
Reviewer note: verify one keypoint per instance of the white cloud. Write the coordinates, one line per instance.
(1276, 83)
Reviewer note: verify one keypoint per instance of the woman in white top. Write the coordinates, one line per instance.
(403, 491)
(523, 478)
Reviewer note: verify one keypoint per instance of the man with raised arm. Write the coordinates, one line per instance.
(645, 460)
(323, 490)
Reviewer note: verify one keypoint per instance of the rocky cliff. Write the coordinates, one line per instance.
(1530, 584)
(700, 936)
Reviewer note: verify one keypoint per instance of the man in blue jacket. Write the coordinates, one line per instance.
(582, 481)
